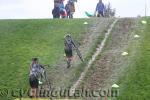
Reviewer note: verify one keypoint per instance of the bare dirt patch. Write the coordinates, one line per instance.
(110, 64)
(60, 76)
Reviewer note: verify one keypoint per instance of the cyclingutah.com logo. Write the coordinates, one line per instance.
(61, 93)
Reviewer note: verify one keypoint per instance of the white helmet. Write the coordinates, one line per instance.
(67, 35)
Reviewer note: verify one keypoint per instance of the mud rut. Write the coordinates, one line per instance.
(107, 68)
(110, 63)
(59, 75)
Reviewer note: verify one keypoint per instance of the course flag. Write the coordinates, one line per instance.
(88, 14)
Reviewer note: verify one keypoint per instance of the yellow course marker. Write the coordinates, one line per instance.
(115, 86)
(136, 36)
(124, 54)
(144, 22)
(85, 23)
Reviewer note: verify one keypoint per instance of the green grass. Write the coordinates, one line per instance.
(20, 40)
(135, 83)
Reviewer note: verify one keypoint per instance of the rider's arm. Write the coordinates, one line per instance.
(73, 43)
(30, 68)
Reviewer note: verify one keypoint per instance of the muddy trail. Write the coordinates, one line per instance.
(110, 64)
(60, 76)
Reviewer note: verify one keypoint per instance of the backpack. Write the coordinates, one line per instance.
(68, 42)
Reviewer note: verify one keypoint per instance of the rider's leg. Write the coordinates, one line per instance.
(69, 55)
(69, 61)
(34, 86)
(33, 92)
(71, 14)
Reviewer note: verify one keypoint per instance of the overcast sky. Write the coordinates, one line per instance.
(10, 9)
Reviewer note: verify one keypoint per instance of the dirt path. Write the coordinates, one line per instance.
(62, 77)
(99, 50)
(111, 64)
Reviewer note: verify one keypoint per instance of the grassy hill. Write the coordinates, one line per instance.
(20, 40)
(135, 82)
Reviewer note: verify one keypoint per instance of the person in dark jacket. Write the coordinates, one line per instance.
(68, 48)
(33, 77)
(56, 12)
(67, 7)
(36, 73)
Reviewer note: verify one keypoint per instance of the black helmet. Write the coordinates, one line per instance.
(34, 59)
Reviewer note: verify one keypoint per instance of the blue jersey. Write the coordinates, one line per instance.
(100, 7)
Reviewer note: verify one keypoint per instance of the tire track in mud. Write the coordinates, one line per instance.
(99, 50)
(62, 77)
(111, 64)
